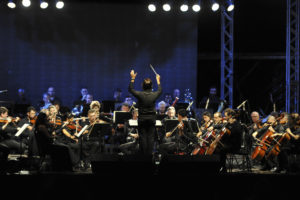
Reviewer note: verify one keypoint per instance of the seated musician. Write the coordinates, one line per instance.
(8, 128)
(45, 139)
(91, 144)
(206, 123)
(179, 139)
(161, 108)
(275, 127)
(27, 135)
(131, 146)
(231, 140)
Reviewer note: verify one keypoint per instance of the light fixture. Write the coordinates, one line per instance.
(196, 7)
(26, 3)
(59, 4)
(167, 7)
(43, 4)
(152, 7)
(184, 7)
(230, 5)
(214, 5)
(11, 4)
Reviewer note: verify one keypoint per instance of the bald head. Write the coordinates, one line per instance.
(255, 116)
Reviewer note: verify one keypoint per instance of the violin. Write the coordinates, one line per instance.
(6, 120)
(33, 120)
(73, 126)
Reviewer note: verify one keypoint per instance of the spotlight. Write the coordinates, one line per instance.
(43, 4)
(151, 7)
(26, 3)
(215, 6)
(230, 5)
(166, 7)
(184, 7)
(59, 4)
(11, 4)
(196, 7)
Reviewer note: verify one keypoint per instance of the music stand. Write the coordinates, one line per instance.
(120, 117)
(170, 124)
(161, 117)
(108, 106)
(98, 130)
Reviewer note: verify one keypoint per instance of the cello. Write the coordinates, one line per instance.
(264, 143)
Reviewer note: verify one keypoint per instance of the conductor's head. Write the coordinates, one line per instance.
(147, 84)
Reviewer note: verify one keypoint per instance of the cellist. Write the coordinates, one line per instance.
(231, 140)
(275, 127)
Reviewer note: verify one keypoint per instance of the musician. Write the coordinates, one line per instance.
(212, 101)
(52, 97)
(45, 103)
(179, 139)
(161, 108)
(147, 113)
(256, 122)
(27, 135)
(206, 123)
(91, 144)
(45, 140)
(8, 128)
(230, 142)
(275, 127)
(168, 99)
(78, 103)
(176, 93)
(131, 146)
(86, 106)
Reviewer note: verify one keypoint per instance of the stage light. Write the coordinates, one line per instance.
(11, 4)
(196, 7)
(43, 4)
(167, 7)
(26, 3)
(184, 7)
(215, 6)
(60, 4)
(230, 5)
(151, 7)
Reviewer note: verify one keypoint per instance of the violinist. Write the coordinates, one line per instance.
(8, 128)
(256, 122)
(27, 135)
(206, 123)
(179, 139)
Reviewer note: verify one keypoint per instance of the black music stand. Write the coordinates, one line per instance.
(170, 124)
(161, 117)
(120, 117)
(108, 106)
(179, 106)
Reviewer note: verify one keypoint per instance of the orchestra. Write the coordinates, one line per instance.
(181, 133)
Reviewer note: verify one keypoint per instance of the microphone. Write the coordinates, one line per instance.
(3, 91)
(242, 104)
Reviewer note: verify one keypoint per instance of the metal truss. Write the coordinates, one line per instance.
(227, 56)
(292, 56)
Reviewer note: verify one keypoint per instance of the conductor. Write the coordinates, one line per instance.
(147, 112)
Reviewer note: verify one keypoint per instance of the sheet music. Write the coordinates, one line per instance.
(21, 130)
(82, 130)
(133, 122)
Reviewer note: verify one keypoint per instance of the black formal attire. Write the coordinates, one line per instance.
(130, 146)
(147, 116)
(7, 138)
(179, 143)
